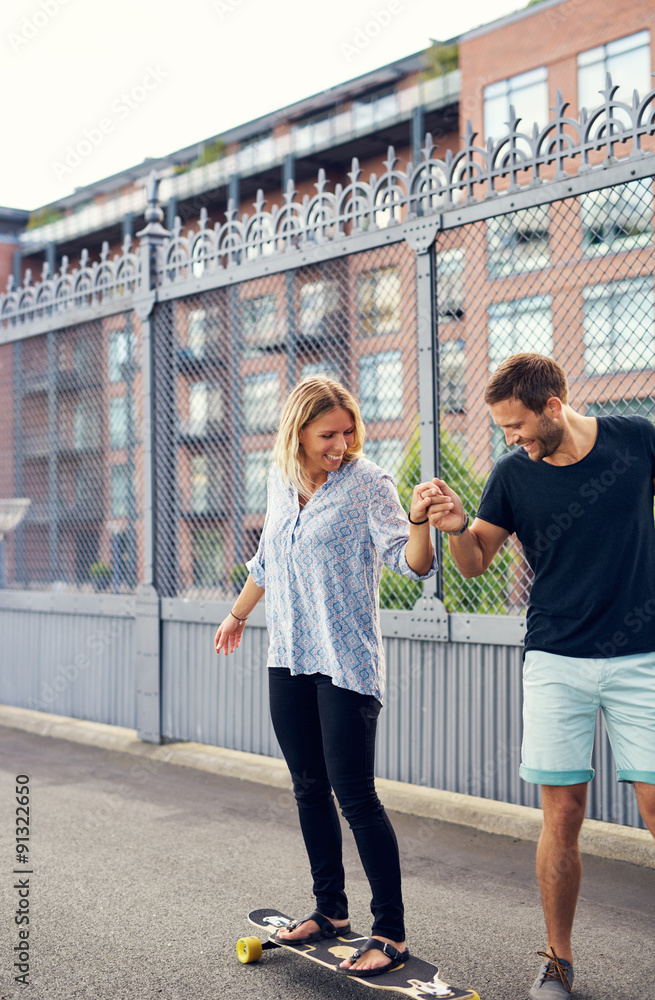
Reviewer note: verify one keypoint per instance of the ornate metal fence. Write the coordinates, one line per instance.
(139, 396)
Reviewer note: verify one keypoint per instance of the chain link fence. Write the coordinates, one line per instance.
(71, 405)
(231, 356)
(573, 280)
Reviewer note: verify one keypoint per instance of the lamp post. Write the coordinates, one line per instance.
(12, 513)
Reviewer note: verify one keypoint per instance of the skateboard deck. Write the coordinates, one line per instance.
(414, 978)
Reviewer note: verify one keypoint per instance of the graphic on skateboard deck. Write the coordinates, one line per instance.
(414, 978)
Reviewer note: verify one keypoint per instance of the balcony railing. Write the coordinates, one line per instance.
(251, 159)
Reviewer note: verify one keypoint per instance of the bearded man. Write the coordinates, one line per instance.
(578, 493)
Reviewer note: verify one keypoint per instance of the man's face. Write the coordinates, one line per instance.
(537, 433)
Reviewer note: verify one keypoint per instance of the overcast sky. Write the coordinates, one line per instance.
(126, 79)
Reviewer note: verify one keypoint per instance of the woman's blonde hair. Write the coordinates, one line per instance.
(312, 398)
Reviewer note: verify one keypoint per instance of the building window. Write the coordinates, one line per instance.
(379, 298)
(372, 110)
(86, 427)
(522, 325)
(627, 59)
(312, 132)
(261, 402)
(452, 376)
(518, 242)
(617, 218)
(450, 284)
(256, 152)
(381, 386)
(257, 466)
(118, 422)
(527, 93)
(206, 485)
(208, 557)
(197, 332)
(205, 409)
(388, 453)
(203, 334)
(259, 323)
(318, 307)
(119, 485)
(122, 348)
(199, 484)
(619, 326)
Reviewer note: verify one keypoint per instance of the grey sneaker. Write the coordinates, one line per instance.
(555, 979)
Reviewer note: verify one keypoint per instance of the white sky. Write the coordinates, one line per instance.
(140, 78)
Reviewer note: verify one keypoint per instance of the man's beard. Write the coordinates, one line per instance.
(547, 440)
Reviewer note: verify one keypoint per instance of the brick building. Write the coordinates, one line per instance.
(530, 279)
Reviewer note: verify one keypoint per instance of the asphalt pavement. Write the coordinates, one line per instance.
(140, 874)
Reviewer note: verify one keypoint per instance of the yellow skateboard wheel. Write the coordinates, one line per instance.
(249, 949)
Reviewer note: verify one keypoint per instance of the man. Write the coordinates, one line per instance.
(578, 493)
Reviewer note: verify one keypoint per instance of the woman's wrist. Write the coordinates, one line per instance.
(409, 518)
(240, 620)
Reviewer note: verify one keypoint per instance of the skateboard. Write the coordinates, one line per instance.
(415, 978)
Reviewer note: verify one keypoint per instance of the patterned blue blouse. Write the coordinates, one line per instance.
(321, 569)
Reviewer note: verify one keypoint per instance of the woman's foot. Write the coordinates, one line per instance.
(305, 928)
(373, 959)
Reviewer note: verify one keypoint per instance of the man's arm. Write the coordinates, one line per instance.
(476, 547)
(474, 550)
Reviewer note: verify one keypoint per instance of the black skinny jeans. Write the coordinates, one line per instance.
(327, 736)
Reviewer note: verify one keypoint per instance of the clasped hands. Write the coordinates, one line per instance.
(441, 505)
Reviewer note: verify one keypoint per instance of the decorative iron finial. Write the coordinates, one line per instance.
(153, 212)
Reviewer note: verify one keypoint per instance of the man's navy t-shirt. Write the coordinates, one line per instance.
(588, 534)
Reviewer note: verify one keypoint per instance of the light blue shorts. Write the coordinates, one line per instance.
(561, 698)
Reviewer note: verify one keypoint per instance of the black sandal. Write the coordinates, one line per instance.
(397, 958)
(326, 929)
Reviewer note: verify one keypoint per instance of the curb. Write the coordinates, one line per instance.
(606, 840)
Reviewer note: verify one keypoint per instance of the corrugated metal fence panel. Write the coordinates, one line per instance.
(77, 665)
(453, 720)
(221, 700)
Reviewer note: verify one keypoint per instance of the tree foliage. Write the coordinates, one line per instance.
(440, 59)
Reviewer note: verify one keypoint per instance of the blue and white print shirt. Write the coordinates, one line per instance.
(321, 568)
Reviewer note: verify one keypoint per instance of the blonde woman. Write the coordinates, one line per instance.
(333, 518)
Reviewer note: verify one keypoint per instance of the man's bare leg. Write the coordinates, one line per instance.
(646, 801)
(559, 866)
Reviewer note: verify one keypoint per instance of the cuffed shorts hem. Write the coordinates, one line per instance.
(648, 777)
(537, 777)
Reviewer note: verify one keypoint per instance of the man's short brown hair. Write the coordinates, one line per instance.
(530, 378)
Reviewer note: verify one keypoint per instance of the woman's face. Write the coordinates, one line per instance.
(325, 441)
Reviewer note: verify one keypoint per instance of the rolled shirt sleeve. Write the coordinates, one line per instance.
(389, 527)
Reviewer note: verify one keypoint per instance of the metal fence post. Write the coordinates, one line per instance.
(148, 604)
(422, 241)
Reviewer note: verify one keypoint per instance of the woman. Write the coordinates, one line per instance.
(332, 519)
